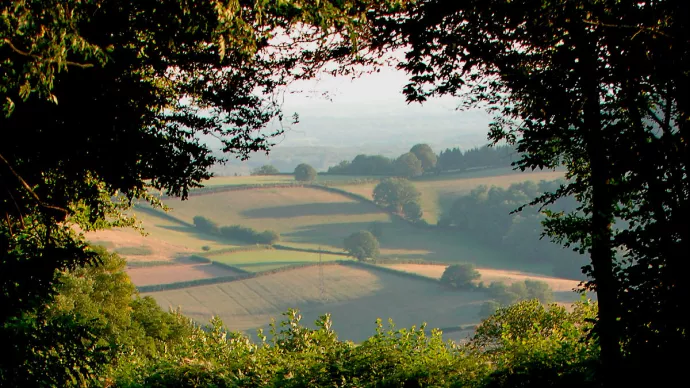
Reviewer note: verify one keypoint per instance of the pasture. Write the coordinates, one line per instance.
(355, 297)
(264, 260)
(562, 288)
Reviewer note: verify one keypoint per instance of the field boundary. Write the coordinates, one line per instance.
(243, 274)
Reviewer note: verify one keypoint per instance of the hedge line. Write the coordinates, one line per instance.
(150, 263)
(244, 248)
(161, 214)
(392, 271)
(408, 261)
(247, 275)
(226, 279)
(307, 250)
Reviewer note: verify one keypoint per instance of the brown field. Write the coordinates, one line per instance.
(560, 286)
(162, 274)
(120, 238)
(355, 298)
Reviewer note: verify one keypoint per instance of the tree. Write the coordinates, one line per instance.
(394, 193)
(412, 211)
(588, 86)
(461, 276)
(125, 120)
(362, 245)
(305, 173)
(426, 155)
(408, 166)
(266, 169)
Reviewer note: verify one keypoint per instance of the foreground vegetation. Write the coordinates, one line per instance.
(124, 340)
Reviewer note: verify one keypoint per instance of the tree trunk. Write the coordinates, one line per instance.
(602, 208)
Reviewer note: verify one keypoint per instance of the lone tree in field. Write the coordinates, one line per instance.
(408, 166)
(266, 169)
(362, 245)
(460, 276)
(426, 155)
(305, 173)
(394, 193)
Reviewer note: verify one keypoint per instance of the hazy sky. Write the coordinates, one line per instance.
(371, 108)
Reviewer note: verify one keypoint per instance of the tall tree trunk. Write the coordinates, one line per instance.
(602, 208)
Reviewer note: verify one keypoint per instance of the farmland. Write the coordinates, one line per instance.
(309, 218)
(355, 297)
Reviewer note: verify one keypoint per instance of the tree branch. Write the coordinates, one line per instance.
(27, 54)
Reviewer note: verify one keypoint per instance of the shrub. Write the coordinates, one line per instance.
(249, 235)
(362, 245)
(460, 276)
(206, 248)
(205, 225)
(305, 173)
(134, 251)
(265, 170)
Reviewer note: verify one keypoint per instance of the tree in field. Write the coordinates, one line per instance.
(362, 245)
(461, 276)
(305, 173)
(426, 155)
(394, 193)
(412, 211)
(408, 166)
(266, 169)
(104, 102)
(600, 88)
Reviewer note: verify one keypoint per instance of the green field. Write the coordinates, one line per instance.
(264, 260)
(355, 297)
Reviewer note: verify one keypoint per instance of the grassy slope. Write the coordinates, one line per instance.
(355, 298)
(257, 261)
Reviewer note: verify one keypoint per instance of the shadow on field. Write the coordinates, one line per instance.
(312, 209)
(193, 231)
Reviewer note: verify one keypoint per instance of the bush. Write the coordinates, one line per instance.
(205, 225)
(265, 170)
(206, 248)
(362, 245)
(460, 276)
(305, 173)
(134, 251)
(249, 235)
(521, 291)
(412, 211)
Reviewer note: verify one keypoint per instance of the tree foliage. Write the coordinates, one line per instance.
(362, 245)
(394, 193)
(408, 166)
(461, 276)
(305, 173)
(266, 169)
(599, 87)
(426, 155)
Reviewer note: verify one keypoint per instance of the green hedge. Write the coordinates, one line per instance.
(307, 250)
(244, 248)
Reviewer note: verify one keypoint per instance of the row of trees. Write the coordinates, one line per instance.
(419, 160)
(236, 232)
(454, 159)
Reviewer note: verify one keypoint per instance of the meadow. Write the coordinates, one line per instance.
(355, 298)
